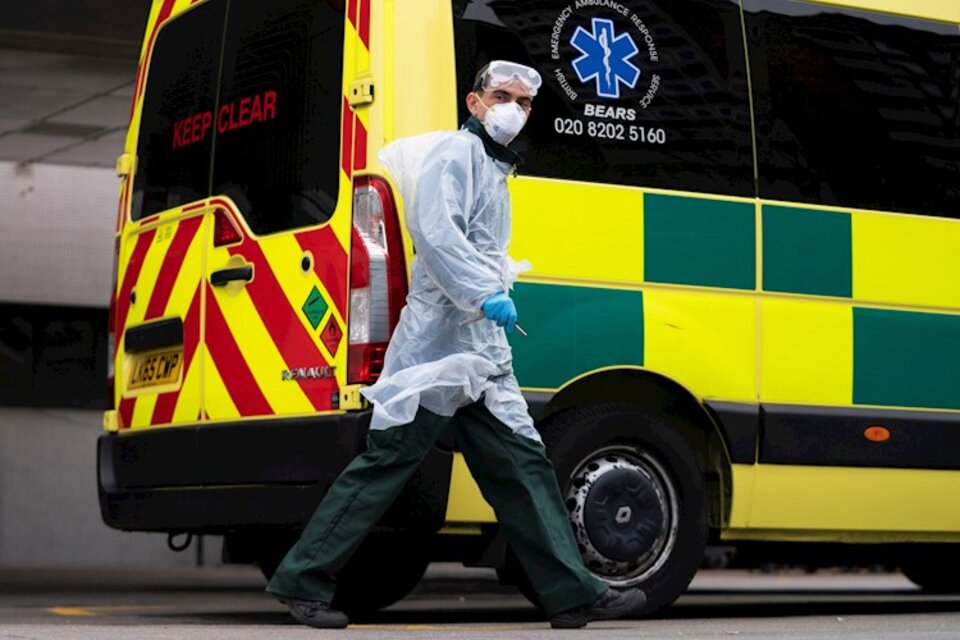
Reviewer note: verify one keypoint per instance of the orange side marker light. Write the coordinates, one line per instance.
(876, 433)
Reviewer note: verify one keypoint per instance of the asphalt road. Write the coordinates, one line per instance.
(227, 602)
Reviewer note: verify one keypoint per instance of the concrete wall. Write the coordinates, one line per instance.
(56, 234)
(49, 513)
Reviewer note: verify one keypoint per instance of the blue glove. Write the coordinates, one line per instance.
(500, 308)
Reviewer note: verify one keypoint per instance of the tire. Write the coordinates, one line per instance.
(934, 571)
(381, 571)
(635, 497)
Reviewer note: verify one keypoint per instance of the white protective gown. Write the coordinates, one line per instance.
(458, 214)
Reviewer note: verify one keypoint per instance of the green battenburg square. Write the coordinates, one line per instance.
(315, 308)
(906, 359)
(574, 330)
(696, 241)
(807, 251)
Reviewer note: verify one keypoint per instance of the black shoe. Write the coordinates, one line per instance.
(611, 604)
(316, 614)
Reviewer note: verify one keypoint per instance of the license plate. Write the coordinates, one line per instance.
(156, 369)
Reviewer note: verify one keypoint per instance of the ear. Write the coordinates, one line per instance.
(473, 106)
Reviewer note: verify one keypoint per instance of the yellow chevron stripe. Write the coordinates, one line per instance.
(341, 222)
(216, 400)
(143, 411)
(257, 346)
(189, 277)
(263, 358)
(361, 61)
(152, 264)
(283, 254)
(296, 286)
(188, 402)
(180, 6)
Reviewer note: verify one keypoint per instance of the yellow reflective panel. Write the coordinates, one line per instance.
(741, 498)
(578, 231)
(705, 341)
(466, 503)
(423, 44)
(806, 352)
(908, 260)
(855, 499)
(943, 10)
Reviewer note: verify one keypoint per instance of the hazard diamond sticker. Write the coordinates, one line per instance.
(314, 308)
(331, 335)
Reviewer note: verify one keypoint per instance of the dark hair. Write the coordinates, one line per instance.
(478, 80)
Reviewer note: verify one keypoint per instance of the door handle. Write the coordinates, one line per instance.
(225, 276)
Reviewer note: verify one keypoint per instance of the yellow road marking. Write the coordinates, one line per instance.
(101, 609)
(70, 611)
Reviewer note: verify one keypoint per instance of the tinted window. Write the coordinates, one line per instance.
(274, 129)
(278, 119)
(668, 107)
(854, 109)
(176, 131)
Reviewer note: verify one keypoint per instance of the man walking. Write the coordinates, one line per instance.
(449, 363)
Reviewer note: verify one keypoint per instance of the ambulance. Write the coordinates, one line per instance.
(743, 312)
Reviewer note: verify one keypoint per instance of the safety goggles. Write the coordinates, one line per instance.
(502, 72)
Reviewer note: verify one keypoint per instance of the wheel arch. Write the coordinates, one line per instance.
(659, 394)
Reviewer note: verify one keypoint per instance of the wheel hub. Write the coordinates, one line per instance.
(624, 513)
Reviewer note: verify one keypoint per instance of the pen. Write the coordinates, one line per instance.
(481, 317)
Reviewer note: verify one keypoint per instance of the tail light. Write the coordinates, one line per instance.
(224, 230)
(378, 278)
(112, 329)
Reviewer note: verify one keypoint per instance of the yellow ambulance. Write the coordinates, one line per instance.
(743, 313)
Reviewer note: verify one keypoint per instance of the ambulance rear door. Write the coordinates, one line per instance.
(163, 247)
(277, 273)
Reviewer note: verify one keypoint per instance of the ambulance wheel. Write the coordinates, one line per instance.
(934, 572)
(382, 571)
(635, 496)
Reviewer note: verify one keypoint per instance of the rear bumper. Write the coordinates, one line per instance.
(222, 478)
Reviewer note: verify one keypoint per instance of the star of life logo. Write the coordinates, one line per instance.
(606, 58)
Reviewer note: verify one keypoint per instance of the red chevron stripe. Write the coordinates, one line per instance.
(364, 27)
(295, 344)
(126, 412)
(346, 137)
(329, 263)
(120, 200)
(352, 13)
(360, 147)
(136, 92)
(167, 402)
(234, 370)
(172, 262)
(130, 278)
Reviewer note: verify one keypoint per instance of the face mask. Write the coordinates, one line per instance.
(504, 121)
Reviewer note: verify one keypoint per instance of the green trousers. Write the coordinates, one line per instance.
(513, 473)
